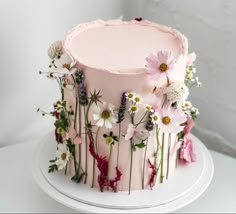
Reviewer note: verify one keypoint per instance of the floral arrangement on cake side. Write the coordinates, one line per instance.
(175, 115)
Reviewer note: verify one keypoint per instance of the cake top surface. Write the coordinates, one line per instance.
(120, 46)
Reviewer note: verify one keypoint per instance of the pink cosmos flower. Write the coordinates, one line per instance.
(186, 153)
(138, 134)
(171, 120)
(161, 64)
(191, 58)
(64, 66)
(188, 126)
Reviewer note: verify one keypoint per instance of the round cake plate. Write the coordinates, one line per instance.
(184, 186)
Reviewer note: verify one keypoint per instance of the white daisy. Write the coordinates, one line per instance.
(105, 116)
(63, 155)
(133, 109)
(148, 108)
(137, 99)
(155, 117)
(186, 105)
(130, 96)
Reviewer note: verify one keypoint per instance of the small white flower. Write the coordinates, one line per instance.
(59, 106)
(199, 84)
(148, 108)
(195, 110)
(105, 116)
(130, 96)
(55, 49)
(186, 105)
(155, 117)
(177, 91)
(133, 109)
(64, 134)
(63, 155)
(64, 66)
(137, 99)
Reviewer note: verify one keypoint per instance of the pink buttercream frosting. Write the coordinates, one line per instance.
(112, 56)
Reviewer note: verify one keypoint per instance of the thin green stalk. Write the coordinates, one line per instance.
(109, 160)
(86, 151)
(158, 145)
(131, 164)
(118, 144)
(141, 120)
(168, 156)
(66, 168)
(177, 158)
(96, 140)
(144, 163)
(162, 158)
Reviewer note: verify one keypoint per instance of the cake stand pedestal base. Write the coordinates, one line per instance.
(184, 186)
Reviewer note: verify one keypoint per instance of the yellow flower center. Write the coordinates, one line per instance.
(155, 117)
(148, 108)
(63, 156)
(105, 114)
(163, 67)
(133, 108)
(67, 66)
(130, 96)
(137, 99)
(166, 120)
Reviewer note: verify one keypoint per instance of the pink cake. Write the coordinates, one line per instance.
(123, 122)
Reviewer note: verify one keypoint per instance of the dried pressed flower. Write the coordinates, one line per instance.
(122, 109)
(83, 98)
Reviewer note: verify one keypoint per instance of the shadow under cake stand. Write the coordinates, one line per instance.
(184, 186)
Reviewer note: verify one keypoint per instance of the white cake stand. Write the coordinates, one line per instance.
(186, 185)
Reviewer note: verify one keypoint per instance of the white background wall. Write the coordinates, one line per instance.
(27, 28)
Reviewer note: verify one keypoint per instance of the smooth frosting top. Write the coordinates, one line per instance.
(122, 47)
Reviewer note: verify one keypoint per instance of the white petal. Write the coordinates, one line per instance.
(58, 154)
(58, 63)
(100, 123)
(108, 124)
(73, 70)
(97, 109)
(96, 116)
(65, 59)
(112, 119)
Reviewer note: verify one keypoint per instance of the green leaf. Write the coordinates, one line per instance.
(140, 145)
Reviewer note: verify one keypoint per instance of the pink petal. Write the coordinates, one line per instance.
(77, 140)
(191, 58)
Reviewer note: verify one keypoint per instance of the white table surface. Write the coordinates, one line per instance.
(20, 193)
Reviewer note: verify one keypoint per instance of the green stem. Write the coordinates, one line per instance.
(109, 160)
(168, 156)
(158, 145)
(86, 151)
(96, 140)
(66, 168)
(144, 163)
(118, 144)
(141, 120)
(131, 164)
(162, 158)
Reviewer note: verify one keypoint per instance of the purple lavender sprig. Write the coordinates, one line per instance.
(83, 98)
(122, 109)
(149, 124)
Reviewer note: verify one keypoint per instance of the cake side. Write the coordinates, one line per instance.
(112, 84)
(137, 144)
